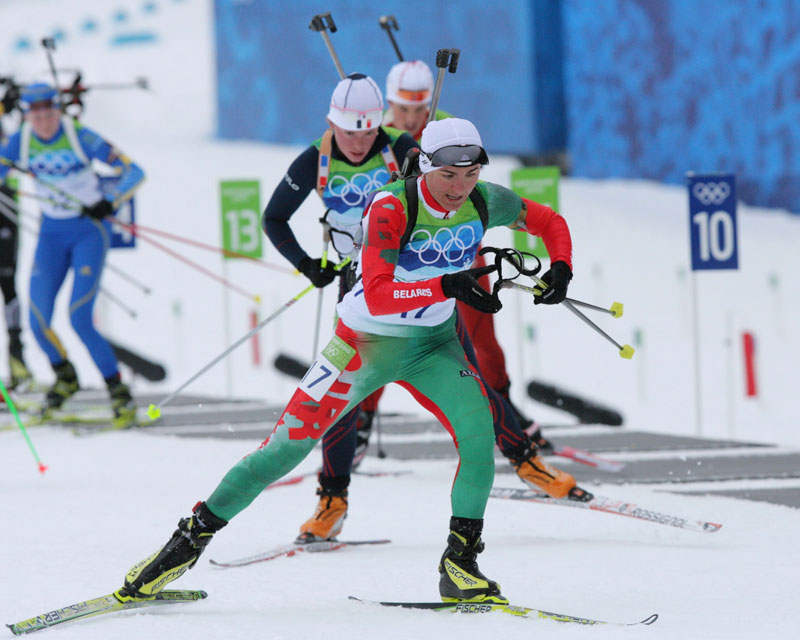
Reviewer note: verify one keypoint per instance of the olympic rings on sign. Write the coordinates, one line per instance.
(354, 191)
(711, 192)
(442, 243)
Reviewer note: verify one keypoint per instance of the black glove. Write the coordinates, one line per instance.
(320, 276)
(9, 100)
(464, 286)
(99, 210)
(557, 280)
(7, 191)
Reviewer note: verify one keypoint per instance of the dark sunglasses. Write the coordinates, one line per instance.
(458, 156)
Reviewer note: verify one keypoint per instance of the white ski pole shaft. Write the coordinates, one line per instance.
(154, 411)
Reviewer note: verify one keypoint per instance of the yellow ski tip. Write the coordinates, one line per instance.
(627, 352)
(257, 299)
(616, 309)
(153, 412)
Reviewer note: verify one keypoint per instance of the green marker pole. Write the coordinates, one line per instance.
(10, 403)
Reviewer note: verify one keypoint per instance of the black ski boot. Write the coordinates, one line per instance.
(363, 431)
(21, 377)
(121, 402)
(460, 578)
(146, 578)
(65, 386)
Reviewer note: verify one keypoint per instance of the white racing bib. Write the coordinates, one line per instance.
(327, 368)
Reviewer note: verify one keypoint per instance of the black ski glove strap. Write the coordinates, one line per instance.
(464, 286)
(99, 210)
(312, 269)
(557, 280)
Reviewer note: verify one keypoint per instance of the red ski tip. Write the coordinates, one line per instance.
(42, 468)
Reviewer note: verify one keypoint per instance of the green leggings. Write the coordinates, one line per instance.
(432, 367)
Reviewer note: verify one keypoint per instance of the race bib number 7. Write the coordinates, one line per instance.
(326, 368)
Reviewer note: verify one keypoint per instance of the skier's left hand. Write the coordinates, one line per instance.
(99, 210)
(557, 280)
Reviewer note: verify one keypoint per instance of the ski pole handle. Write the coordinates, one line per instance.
(388, 23)
(445, 59)
(321, 23)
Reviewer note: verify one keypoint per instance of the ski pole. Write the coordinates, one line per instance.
(201, 245)
(131, 312)
(388, 23)
(154, 411)
(15, 413)
(625, 351)
(49, 45)
(445, 59)
(6, 205)
(194, 265)
(321, 23)
(326, 238)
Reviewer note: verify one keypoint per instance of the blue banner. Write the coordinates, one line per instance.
(712, 221)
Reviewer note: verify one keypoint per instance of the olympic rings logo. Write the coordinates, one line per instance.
(54, 162)
(353, 192)
(711, 192)
(442, 244)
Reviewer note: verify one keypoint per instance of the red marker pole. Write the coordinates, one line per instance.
(13, 408)
(254, 342)
(749, 346)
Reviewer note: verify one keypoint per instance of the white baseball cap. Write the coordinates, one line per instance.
(409, 82)
(356, 104)
(452, 142)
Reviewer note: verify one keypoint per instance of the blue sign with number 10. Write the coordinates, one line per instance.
(712, 221)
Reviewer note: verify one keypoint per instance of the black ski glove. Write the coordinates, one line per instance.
(9, 192)
(557, 280)
(464, 286)
(320, 276)
(99, 210)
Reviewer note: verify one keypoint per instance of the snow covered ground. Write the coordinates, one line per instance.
(108, 501)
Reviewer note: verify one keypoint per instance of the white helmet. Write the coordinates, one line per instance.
(356, 104)
(452, 142)
(410, 82)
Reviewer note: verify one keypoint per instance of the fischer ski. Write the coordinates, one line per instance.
(607, 505)
(511, 609)
(99, 606)
(293, 549)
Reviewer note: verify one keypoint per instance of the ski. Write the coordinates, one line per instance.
(511, 609)
(99, 606)
(586, 411)
(608, 505)
(293, 549)
(59, 419)
(148, 369)
(297, 479)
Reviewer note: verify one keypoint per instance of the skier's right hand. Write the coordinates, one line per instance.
(8, 191)
(464, 286)
(320, 276)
